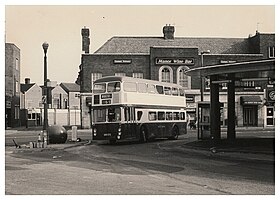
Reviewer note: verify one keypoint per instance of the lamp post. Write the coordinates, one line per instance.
(202, 79)
(45, 46)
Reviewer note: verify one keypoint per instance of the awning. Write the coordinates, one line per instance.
(250, 100)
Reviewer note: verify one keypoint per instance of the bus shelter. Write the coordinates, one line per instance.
(230, 73)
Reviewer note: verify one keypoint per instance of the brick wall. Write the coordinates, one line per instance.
(105, 64)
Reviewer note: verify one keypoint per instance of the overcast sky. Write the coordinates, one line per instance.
(29, 26)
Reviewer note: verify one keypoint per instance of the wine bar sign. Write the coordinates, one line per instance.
(174, 61)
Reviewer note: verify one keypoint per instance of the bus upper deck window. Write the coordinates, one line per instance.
(129, 87)
(167, 90)
(151, 88)
(175, 91)
(182, 92)
(99, 88)
(159, 89)
(114, 87)
(142, 87)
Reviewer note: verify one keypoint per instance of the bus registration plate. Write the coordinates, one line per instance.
(107, 134)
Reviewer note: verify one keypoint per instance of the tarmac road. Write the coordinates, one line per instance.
(159, 167)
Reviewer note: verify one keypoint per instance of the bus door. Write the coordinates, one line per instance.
(130, 123)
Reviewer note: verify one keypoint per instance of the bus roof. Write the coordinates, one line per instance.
(131, 79)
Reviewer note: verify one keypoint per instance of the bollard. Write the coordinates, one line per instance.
(31, 145)
(74, 133)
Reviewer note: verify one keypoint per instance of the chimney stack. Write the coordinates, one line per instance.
(168, 32)
(27, 80)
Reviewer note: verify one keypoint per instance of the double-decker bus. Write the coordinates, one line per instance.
(126, 108)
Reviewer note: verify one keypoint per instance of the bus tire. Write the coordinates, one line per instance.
(143, 134)
(175, 133)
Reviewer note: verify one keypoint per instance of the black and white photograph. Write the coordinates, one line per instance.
(145, 99)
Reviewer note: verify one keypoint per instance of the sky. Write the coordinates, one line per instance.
(29, 26)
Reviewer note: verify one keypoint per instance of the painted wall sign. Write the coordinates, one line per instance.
(122, 61)
(174, 61)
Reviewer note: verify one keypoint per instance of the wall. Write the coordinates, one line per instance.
(99, 63)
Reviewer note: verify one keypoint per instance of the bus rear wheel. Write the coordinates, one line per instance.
(143, 134)
(175, 133)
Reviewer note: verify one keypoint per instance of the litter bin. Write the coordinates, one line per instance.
(57, 134)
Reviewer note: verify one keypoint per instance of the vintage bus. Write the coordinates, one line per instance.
(126, 108)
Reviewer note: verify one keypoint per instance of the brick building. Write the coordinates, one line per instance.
(12, 85)
(166, 58)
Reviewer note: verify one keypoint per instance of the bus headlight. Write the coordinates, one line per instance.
(94, 130)
(119, 130)
(118, 137)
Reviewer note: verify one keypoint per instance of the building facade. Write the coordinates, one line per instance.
(30, 104)
(12, 85)
(166, 59)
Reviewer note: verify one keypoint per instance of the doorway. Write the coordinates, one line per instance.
(250, 115)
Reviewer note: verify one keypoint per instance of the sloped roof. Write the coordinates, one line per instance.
(25, 87)
(141, 45)
(70, 87)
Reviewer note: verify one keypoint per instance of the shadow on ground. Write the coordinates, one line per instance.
(250, 145)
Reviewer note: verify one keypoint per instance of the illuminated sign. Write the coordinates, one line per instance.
(175, 61)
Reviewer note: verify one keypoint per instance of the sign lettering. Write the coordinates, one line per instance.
(175, 61)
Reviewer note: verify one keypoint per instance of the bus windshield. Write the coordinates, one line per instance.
(107, 114)
(99, 88)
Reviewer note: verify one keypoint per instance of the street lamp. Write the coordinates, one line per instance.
(45, 46)
(202, 79)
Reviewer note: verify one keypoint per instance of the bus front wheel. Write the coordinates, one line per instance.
(143, 134)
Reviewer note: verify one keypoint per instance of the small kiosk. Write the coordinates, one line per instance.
(203, 120)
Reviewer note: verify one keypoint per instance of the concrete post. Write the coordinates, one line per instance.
(231, 108)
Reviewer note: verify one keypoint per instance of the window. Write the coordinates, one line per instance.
(151, 88)
(166, 74)
(16, 112)
(139, 115)
(176, 116)
(129, 87)
(17, 64)
(114, 114)
(114, 87)
(175, 92)
(182, 115)
(99, 88)
(120, 74)
(142, 87)
(17, 86)
(167, 90)
(152, 116)
(271, 52)
(99, 115)
(137, 75)
(96, 76)
(182, 93)
(161, 115)
(182, 78)
(77, 95)
(159, 89)
(168, 115)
